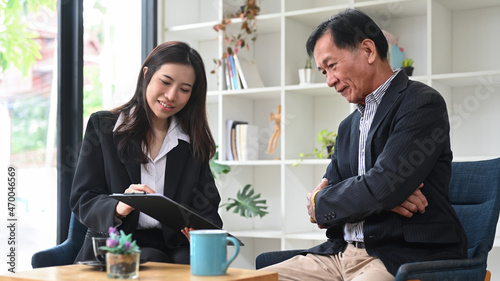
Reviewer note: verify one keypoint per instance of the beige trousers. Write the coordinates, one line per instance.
(351, 264)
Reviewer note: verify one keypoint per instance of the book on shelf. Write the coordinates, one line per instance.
(234, 74)
(242, 141)
(240, 73)
(247, 142)
(231, 139)
(237, 71)
(249, 73)
(231, 74)
(227, 77)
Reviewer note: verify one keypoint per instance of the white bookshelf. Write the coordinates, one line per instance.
(454, 44)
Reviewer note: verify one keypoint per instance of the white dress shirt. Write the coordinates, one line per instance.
(153, 172)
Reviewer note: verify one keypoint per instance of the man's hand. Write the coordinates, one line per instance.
(310, 204)
(415, 203)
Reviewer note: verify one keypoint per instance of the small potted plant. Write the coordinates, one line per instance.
(407, 66)
(327, 140)
(122, 256)
(305, 73)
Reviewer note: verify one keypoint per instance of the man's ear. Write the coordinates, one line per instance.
(145, 70)
(369, 50)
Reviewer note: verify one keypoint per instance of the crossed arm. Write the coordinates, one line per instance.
(416, 202)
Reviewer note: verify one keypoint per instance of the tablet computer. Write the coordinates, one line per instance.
(166, 211)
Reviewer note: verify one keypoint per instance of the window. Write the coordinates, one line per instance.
(28, 111)
(28, 108)
(112, 53)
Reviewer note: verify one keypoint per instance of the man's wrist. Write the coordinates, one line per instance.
(313, 199)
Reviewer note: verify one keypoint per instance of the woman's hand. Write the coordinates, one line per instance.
(123, 209)
(186, 231)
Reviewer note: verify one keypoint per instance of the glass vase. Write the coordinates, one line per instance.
(122, 266)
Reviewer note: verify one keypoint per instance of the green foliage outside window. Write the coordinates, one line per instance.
(18, 47)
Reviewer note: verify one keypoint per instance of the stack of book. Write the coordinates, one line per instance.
(240, 74)
(242, 141)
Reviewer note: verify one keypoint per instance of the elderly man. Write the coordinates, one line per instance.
(384, 196)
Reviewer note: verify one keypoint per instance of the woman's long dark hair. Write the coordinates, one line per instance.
(136, 128)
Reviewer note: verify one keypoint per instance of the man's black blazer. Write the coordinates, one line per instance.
(408, 144)
(100, 172)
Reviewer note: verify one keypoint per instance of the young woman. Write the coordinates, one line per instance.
(158, 142)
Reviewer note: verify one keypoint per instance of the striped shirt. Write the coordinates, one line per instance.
(354, 231)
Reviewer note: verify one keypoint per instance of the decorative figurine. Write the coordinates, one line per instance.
(276, 117)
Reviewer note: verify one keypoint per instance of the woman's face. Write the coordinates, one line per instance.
(169, 91)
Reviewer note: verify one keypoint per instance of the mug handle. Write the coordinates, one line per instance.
(236, 244)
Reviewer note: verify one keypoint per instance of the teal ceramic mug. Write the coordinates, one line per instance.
(208, 252)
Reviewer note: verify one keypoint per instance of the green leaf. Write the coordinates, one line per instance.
(18, 45)
(407, 62)
(247, 204)
(218, 168)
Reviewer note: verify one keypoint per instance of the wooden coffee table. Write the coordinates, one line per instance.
(147, 271)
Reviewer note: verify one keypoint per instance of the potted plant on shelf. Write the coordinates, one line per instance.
(247, 204)
(305, 73)
(327, 140)
(122, 256)
(407, 66)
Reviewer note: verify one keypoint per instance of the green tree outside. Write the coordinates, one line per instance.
(18, 47)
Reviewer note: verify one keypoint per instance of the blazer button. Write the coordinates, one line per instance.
(331, 215)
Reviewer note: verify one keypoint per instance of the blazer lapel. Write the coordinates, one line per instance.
(176, 160)
(354, 145)
(133, 167)
(398, 84)
(133, 171)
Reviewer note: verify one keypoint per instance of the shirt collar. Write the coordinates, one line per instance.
(376, 96)
(175, 130)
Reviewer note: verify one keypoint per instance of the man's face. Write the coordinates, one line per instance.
(346, 70)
